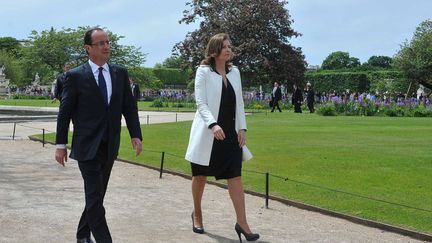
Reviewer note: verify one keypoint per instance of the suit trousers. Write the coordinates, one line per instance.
(311, 107)
(276, 104)
(297, 107)
(96, 173)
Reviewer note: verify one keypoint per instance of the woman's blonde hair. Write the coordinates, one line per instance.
(214, 48)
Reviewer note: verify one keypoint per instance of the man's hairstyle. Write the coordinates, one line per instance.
(88, 34)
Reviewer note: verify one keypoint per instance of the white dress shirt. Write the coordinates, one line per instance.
(106, 74)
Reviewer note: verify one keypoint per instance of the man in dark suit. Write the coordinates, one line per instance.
(297, 99)
(276, 96)
(310, 97)
(58, 89)
(95, 96)
(135, 90)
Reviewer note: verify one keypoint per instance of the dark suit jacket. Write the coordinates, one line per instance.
(83, 103)
(136, 92)
(59, 86)
(297, 96)
(278, 94)
(310, 96)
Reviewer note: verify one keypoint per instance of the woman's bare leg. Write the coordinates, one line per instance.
(198, 184)
(235, 188)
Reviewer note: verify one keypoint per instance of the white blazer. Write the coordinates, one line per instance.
(208, 90)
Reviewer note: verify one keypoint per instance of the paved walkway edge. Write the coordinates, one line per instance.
(357, 220)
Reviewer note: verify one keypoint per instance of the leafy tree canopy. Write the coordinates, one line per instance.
(10, 45)
(380, 62)
(46, 52)
(54, 48)
(414, 59)
(171, 62)
(340, 60)
(260, 31)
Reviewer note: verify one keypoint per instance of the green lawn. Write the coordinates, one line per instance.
(142, 105)
(22, 102)
(378, 157)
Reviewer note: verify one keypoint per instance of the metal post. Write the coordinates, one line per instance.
(176, 117)
(43, 137)
(162, 162)
(147, 119)
(267, 190)
(13, 134)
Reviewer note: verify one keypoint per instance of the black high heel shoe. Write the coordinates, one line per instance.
(197, 230)
(249, 237)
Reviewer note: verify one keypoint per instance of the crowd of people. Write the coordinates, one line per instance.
(310, 97)
(346, 97)
(166, 93)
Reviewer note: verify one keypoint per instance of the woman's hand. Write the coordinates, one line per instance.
(241, 138)
(218, 132)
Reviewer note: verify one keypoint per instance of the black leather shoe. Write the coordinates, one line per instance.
(198, 230)
(85, 240)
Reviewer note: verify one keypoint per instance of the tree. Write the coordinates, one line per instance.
(259, 30)
(10, 45)
(414, 59)
(145, 78)
(171, 62)
(380, 62)
(13, 70)
(340, 60)
(47, 51)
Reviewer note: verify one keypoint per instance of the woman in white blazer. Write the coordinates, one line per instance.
(218, 134)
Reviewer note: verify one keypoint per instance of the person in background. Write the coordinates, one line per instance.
(136, 93)
(276, 97)
(310, 97)
(297, 99)
(218, 133)
(58, 89)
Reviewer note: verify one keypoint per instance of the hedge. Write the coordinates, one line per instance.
(363, 81)
(171, 75)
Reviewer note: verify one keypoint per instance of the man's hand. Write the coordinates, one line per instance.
(137, 145)
(241, 138)
(218, 132)
(61, 156)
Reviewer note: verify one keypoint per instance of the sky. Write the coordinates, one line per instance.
(362, 28)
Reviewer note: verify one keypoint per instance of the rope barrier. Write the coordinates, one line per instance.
(317, 186)
(353, 194)
(335, 190)
(174, 155)
(256, 172)
(153, 151)
(37, 128)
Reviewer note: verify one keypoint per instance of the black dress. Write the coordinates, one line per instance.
(226, 155)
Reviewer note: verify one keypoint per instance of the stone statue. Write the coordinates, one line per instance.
(420, 91)
(37, 78)
(4, 83)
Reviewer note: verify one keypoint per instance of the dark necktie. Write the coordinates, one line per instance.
(102, 85)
